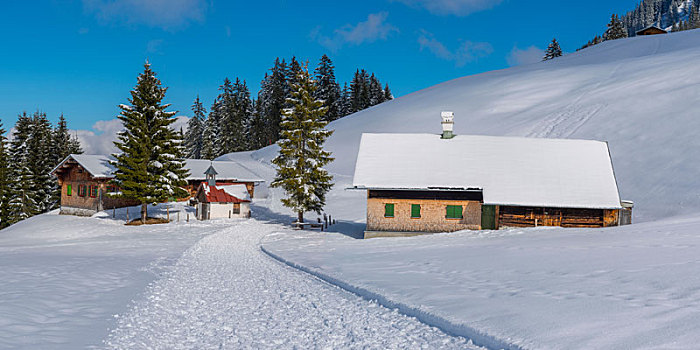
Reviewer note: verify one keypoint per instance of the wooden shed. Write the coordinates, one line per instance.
(652, 30)
(84, 181)
(418, 183)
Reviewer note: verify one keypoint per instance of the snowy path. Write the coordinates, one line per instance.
(225, 293)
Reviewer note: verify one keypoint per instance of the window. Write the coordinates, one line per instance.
(69, 190)
(454, 212)
(112, 189)
(415, 211)
(93, 191)
(389, 210)
(236, 208)
(81, 190)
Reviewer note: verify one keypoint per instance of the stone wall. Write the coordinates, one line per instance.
(432, 218)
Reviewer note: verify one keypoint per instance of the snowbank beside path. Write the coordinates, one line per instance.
(632, 287)
(224, 293)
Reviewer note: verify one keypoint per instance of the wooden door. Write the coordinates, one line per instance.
(488, 217)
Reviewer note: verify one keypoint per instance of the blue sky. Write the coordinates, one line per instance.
(81, 58)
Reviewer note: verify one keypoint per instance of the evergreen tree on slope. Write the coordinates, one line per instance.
(40, 163)
(150, 167)
(6, 183)
(62, 146)
(301, 159)
(195, 131)
(616, 30)
(21, 204)
(553, 51)
(327, 89)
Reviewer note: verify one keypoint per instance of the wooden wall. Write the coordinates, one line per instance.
(564, 217)
(76, 176)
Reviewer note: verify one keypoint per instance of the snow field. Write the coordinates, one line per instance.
(225, 293)
(63, 277)
(630, 287)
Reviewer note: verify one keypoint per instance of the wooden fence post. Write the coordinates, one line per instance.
(167, 210)
(127, 215)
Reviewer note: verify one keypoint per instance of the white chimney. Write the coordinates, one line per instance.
(448, 123)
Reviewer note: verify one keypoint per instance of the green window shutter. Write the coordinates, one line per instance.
(415, 210)
(389, 210)
(69, 190)
(454, 212)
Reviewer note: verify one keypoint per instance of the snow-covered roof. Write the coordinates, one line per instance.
(510, 170)
(225, 193)
(96, 164)
(225, 170)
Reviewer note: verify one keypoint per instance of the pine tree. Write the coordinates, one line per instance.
(553, 51)
(6, 183)
(21, 203)
(346, 101)
(302, 158)
(150, 167)
(40, 162)
(616, 29)
(376, 93)
(210, 137)
(63, 144)
(272, 99)
(193, 139)
(327, 89)
(388, 96)
(236, 109)
(359, 91)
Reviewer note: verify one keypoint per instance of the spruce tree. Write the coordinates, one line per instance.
(150, 167)
(236, 109)
(301, 158)
(388, 96)
(210, 138)
(193, 139)
(616, 29)
(21, 204)
(63, 143)
(346, 101)
(327, 89)
(553, 51)
(376, 93)
(40, 161)
(7, 184)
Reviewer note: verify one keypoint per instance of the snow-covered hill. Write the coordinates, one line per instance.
(640, 94)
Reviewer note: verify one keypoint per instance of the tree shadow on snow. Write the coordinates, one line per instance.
(347, 228)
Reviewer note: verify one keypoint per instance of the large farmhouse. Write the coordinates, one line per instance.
(419, 183)
(85, 181)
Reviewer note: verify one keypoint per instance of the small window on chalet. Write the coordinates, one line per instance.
(389, 210)
(454, 212)
(236, 208)
(81, 190)
(69, 190)
(415, 211)
(93, 191)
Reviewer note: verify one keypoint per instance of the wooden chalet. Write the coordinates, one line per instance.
(84, 181)
(419, 183)
(228, 172)
(652, 30)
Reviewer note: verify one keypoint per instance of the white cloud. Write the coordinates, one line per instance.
(371, 30)
(154, 46)
(100, 139)
(525, 56)
(452, 7)
(166, 14)
(466, 52)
